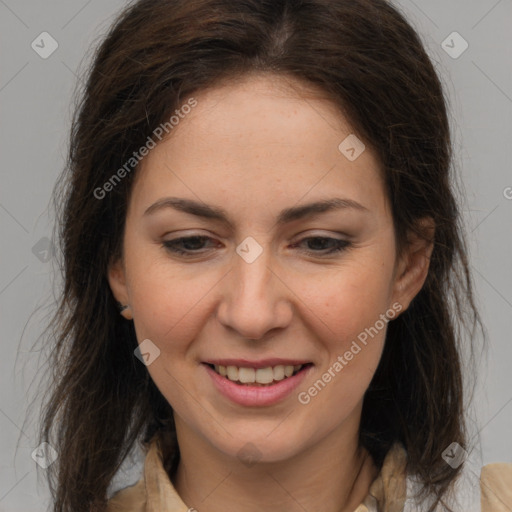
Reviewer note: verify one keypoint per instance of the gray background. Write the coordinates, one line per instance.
(35, 109)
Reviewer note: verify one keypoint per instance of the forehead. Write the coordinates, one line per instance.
(262, 138)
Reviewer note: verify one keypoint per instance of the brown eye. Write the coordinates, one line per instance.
(320, 245)
(189, 245)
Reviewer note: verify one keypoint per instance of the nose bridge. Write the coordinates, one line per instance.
(254, 301)
(254, 278)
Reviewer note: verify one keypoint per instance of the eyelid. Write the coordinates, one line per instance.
(318, 233)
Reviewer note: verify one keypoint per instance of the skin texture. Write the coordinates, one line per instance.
(255, 147)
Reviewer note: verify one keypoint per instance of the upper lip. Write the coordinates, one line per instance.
(262, 363)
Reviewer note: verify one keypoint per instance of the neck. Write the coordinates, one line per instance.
(210, 481)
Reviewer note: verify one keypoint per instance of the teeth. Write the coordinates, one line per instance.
(279, 372)
(246, 375)
(258, 376)
(232, 372)
(264, 375)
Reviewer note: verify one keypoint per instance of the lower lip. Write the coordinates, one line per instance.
(257, 396)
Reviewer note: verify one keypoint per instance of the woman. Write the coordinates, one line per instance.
(263, 189)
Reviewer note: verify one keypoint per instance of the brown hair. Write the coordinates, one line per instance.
(370, 62)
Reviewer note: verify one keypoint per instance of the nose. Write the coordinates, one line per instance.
(255, 299)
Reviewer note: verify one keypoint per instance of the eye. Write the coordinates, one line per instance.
(321, 245)
(186, 246)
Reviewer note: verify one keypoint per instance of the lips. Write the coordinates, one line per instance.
(252, 393)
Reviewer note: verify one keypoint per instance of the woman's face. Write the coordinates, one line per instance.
(266, 281)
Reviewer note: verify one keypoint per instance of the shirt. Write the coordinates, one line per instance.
(154, 492)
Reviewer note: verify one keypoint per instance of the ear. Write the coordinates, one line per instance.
(117, 279)
(413, 265)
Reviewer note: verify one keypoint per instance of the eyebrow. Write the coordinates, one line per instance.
(287, 215)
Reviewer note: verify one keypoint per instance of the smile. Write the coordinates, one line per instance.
(257, 376)
(260, 384)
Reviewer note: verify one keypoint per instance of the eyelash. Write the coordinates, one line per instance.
(339, 245)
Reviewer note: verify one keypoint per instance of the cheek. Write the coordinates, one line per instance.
(167, 301)
(352, 335)
(348, 309)
(169, 309)
(351, 300)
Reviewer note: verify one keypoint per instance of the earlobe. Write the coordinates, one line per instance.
(117, 281)
(414, 265)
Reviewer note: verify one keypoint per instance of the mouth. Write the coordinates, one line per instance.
(258, 377)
